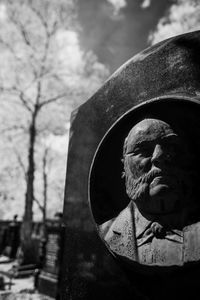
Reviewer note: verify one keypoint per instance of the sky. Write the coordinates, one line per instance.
(115, 30)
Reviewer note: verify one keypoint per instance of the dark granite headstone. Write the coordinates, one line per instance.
(11, 239)
(48, 278)
(38, 244)
(3, 234)
(163, 79)
(52, 250)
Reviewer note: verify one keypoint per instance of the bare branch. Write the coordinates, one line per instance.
(22, 31)
(21, 164)
(39, 205)
(25, 35)
(44, 22)
(12, 128)
(54, 28)
(25, 102)
(49, 34)
(15, 91)
(53, 99)
(40, 17)
(19, 159)
(37, 100)
(46, 49)
(10, 49)
(12, 90)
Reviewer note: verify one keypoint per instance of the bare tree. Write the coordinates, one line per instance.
(36, 82)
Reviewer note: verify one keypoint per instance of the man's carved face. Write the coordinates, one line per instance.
(157, 167)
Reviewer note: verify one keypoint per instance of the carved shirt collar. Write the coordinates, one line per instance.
(145, 233)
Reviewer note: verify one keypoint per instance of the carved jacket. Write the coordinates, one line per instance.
(129, 236)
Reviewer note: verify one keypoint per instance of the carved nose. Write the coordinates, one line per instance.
(158, 155)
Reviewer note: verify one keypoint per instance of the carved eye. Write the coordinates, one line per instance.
(142, 151)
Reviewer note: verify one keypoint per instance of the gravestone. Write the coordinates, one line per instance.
(11, 239)
(160, 84)
(38, 243)
(3, 234)
(48, 278)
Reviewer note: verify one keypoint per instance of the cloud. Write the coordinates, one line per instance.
(58, 143)
(70, 56)
(72, 61)
(3, 12)
(117, 5)
(181, 18)
(145, 4)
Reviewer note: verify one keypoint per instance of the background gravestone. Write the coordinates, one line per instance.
(47, 283)
(165, 76)
(4, 230)
(11, 239)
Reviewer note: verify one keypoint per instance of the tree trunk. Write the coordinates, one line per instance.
(45, 185)
(29, 197)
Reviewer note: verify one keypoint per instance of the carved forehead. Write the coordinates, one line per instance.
(149, 129)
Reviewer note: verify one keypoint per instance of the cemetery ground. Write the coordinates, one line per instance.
(12, 288)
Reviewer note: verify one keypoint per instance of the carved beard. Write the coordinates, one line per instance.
(138, 190)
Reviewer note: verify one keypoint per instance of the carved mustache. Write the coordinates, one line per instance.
(148, 177)
(139, 187)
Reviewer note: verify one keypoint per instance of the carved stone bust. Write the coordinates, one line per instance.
(160, 225)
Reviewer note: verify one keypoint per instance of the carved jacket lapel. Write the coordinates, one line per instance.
(119, 234)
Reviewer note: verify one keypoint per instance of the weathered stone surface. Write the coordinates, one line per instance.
(163, 79)
(192, 243)
(160, 226)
